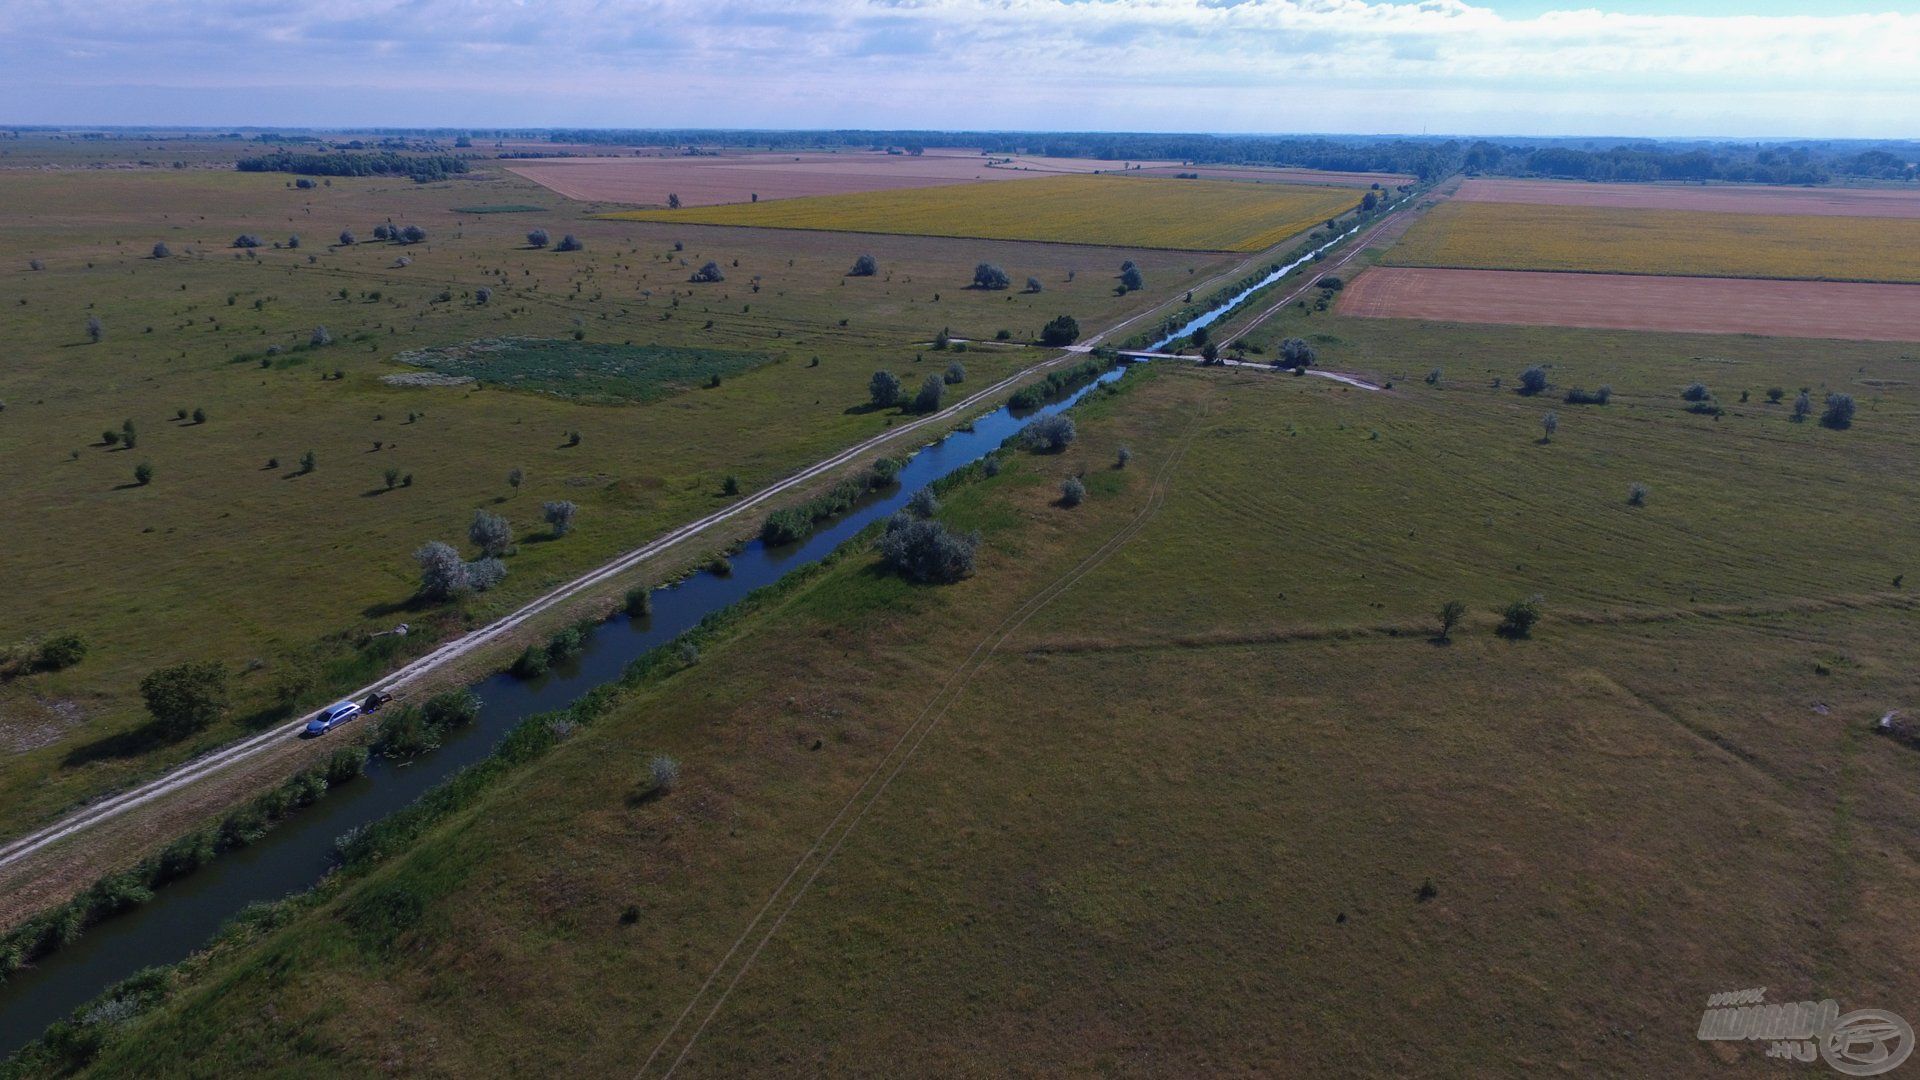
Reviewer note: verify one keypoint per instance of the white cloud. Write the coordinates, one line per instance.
(1191, 64)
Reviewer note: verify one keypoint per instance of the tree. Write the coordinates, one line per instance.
(1839, 412)
(161, 250)
(383, 232)
(515, 476)
(708, 273)
(673, 202)
(884, 389)
(443, 575)
(1802, 407)
(309, 461)
(1296, 353)
(559, 515)
(570, 243)
(1072, 491)
(483, 295)
(128, 435)
(1451, 613)
(1210, 353)
(36, 265)
(537, 238)
(246, 240)
(413, 234)
(864, 266)
(1533, 380)
(95, 329)
(1368, 202)
(928, 399)
(1033, 285)
(143, 474)
(663, 774)
(392, 478)
(927, 551)
(1636, 494)
(1696, 392)
(1520, 618)
(1060, 332)
(1130, 279)
(1774, 394)
(346, 238)
(186, 697)
(320, 337)
(989, 276)
(199, 416)
(923, 504)
(1050, 434)
(1122, 459)
(1549, 424)
(293, 241)
(490, 533)
(956, 373)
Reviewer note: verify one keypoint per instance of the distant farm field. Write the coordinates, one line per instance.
(1488, 236)
(587, 371)
(1716, 198)
(1129, 212)
(1851, 310)
(1277, 175)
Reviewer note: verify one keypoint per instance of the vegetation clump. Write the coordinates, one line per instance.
(1049, 434)
(927, 552)
(794, 523)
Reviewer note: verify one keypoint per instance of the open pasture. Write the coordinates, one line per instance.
(1708, 198)
(1513, 236)
(1207, 801)
(1110, 210)
(712, 180)
(1860, 311)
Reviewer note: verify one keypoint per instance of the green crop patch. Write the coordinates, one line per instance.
(584, 371)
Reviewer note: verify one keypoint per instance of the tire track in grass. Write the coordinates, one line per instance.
(794, 887)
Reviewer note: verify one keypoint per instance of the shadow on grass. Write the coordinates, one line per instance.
(411, 605)
(124, 744)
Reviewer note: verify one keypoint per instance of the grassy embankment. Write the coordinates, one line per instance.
(278, 572)
(1224, 792)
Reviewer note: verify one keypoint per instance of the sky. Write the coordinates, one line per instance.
(1727, 68)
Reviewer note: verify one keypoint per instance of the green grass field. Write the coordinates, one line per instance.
(1206, 788)
(583, 370)
(1118, 211)
(233, 553)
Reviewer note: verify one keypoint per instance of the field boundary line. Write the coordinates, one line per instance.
(923, 724)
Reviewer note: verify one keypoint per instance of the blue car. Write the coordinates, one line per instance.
(332, 716)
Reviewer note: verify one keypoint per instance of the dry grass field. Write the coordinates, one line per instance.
(1514, 236)
(1211, 789)
(1860, 311)
(1715, 198)
(1125, 212)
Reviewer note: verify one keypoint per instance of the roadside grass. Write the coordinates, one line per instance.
(1224, 791)
(1118, 211)
(232, 553)
(1516, 236)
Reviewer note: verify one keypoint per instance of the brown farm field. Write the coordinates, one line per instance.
(1716, 198)
(737, 178)
(1862, 311)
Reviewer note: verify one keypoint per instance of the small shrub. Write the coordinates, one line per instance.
(1072, 491)
(1433, 377)
(1802, 407)
(988, 276)
(246, 240)
(639, 602)
(1636, 494)
(1549, 424)
(1451, 613)
(924, 504)
(1696, 392)
(320, 337)
(1839, 412)
(709, 273)
(1062, 331)
(537, 238)
(730, 486)
(570, 243)
(956, 374)
(663, 774)
(1577, 396)
(161, 250)
(1049, 434)
(491, 533)
(533, 662)
(1520, 617)
(559, 516)
(60, 652)
(1533, 380)
(1123, 458)
(864, 266)
(143, 474)
(309, 461)
(1774, 394)
(927, 551)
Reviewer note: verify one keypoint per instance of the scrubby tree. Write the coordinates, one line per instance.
(483, 295)
(490, 533)
(392, 478)
(1774, 394)
(1072, 491)
(484, 573)
(95, 329)
(309, 461)
(1802, 407)
(293, 241)
(924, 503)
(346, 238)
(1696, 392)
(143, 474)
(1033, 285)
(1060, 332)
(1296, 353)
(537, 238)
(161, 250)
(1451, 613)
(673, 201)
(186, 697)
(864, 266)
(709, 273)
(1122, 459)
(1533, 380)
(36, 265)
(559, 516)
(884, 389)
(129, 436)
(1839, 412)
(199, 416)
(928, 399)
(927, 551)
(1520, 617)
(988, 276)
(1549, 424)
(1049, 434)
(60, 652)
(246, 240)
(319, 337)
(956, 373)
(515, 477)
(1130, 279)
(663, 775)
(570, 242)
(383, 232)
(1636, 494)
(443, 574)
(413, 234)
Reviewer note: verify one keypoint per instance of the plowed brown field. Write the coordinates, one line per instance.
(1803, 309)
(1730, 199)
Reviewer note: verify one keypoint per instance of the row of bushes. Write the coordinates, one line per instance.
(420, 168)
(413, 730)
(60, 926)
(1034, 395)
(794, 523)
(565, 644)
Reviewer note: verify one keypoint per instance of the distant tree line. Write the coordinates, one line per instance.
(421, 168)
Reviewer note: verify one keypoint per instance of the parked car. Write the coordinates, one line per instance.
(331, 717)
